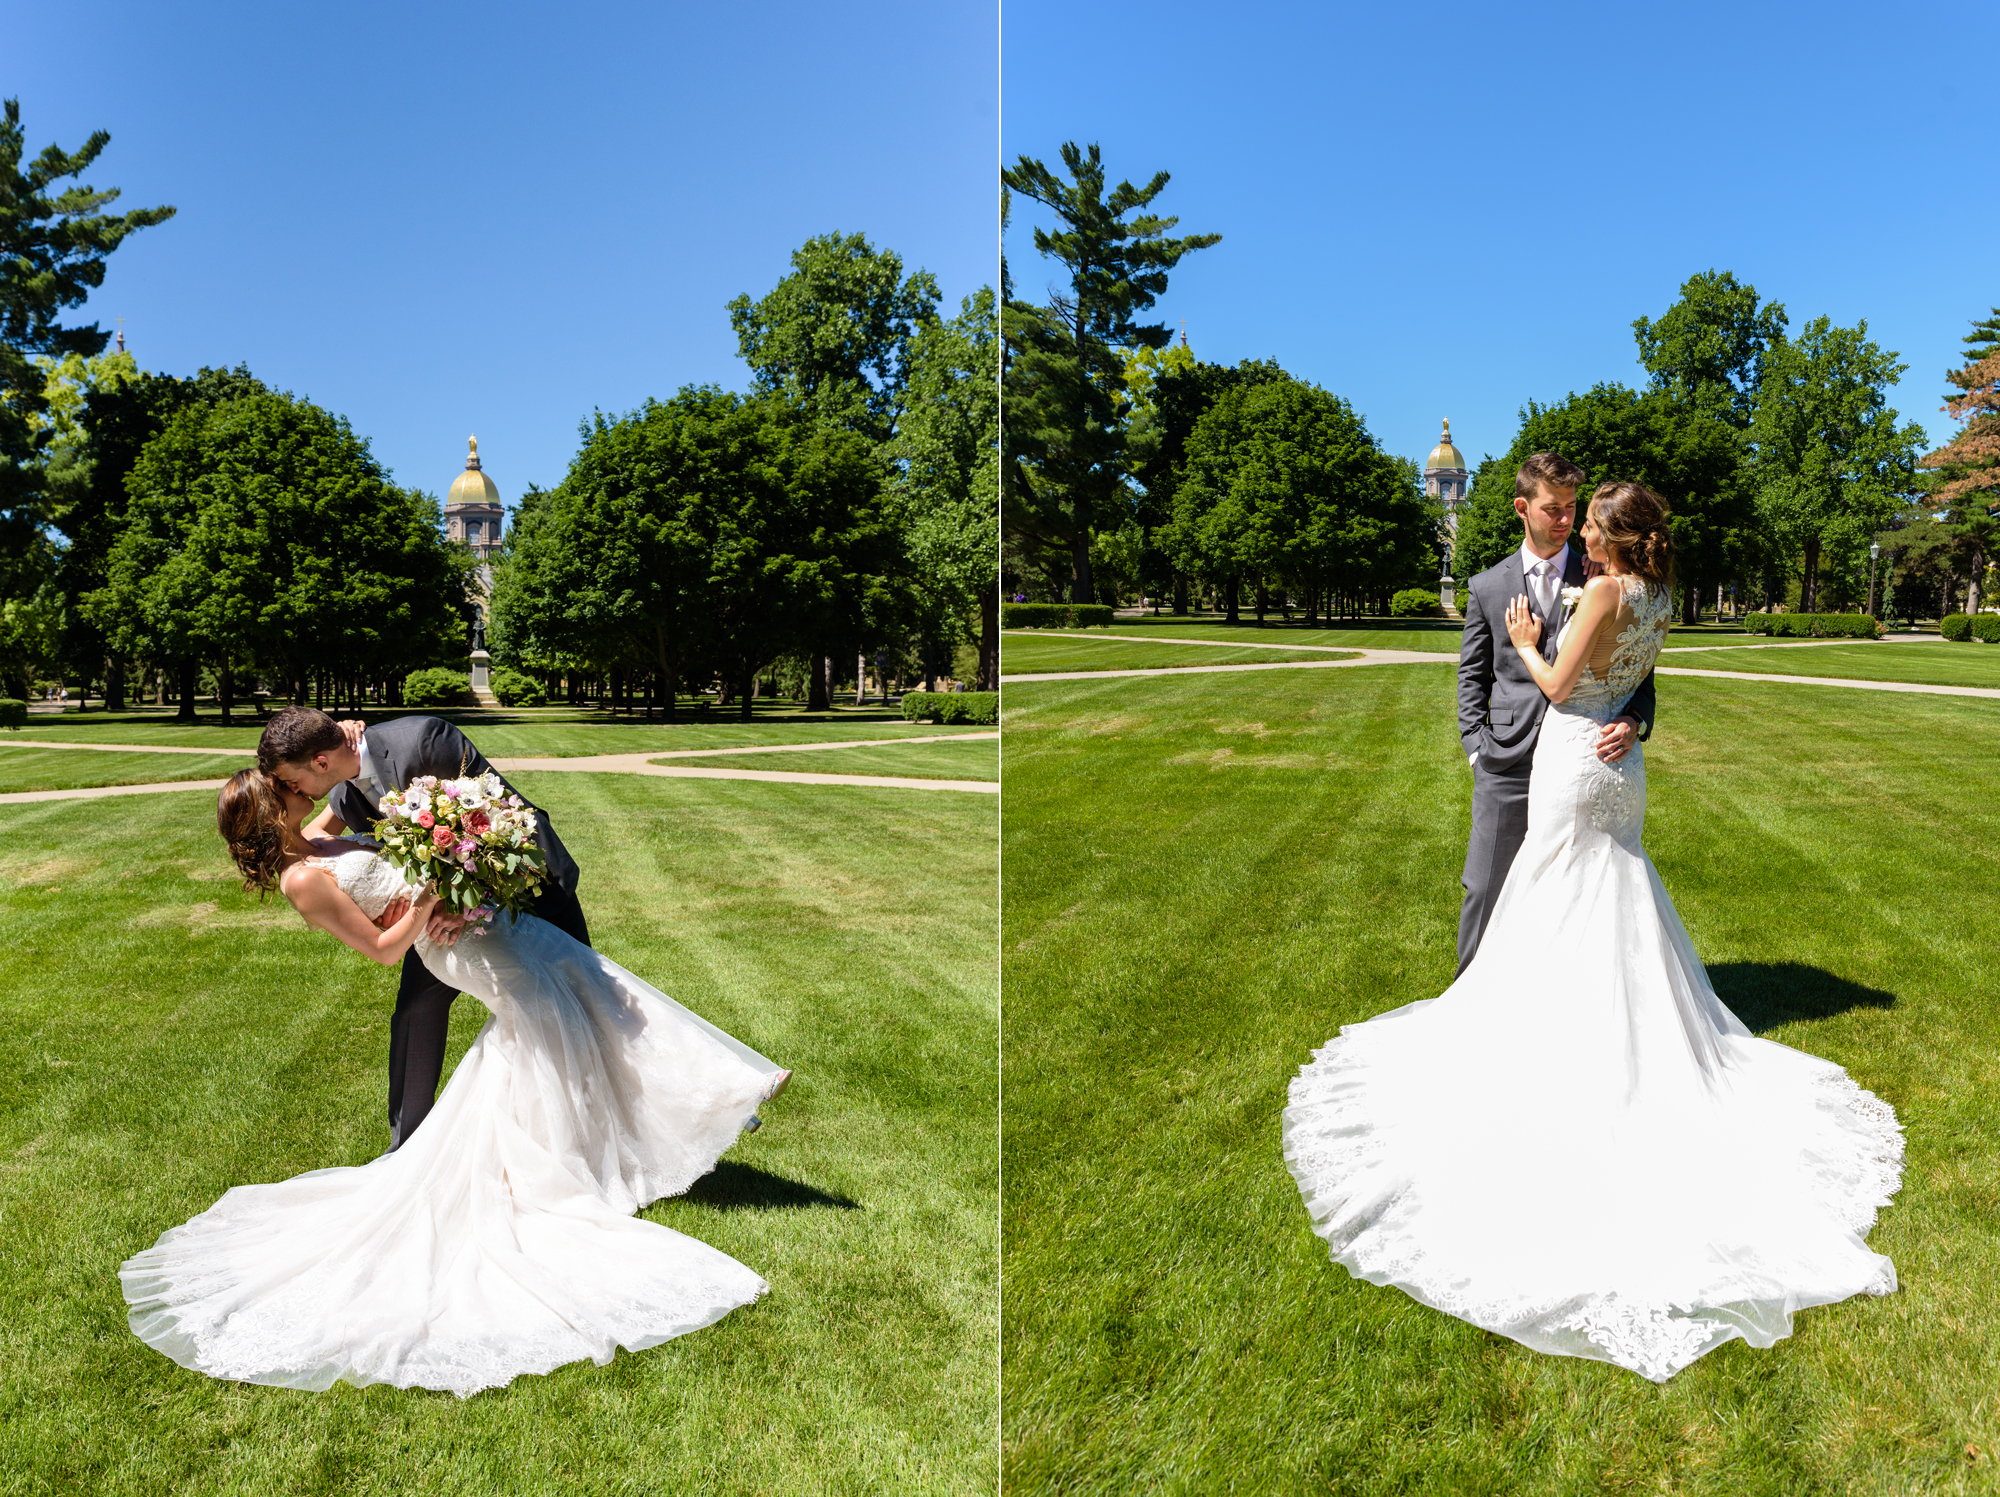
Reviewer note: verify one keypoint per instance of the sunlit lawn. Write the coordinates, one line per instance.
(978, 760)
(1358, 634)
(1968, 664)
(166, 1037)
(1024, 653)
(1205, 877)
(70, 769)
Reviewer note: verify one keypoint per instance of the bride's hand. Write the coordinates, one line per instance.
(1522, 625)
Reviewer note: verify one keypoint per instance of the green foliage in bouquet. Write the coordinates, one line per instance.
(469, 839)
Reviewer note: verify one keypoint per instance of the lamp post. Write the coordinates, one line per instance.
(1874, 551)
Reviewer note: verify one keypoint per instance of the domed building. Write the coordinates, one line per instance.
(1445, 478)
(472, 510)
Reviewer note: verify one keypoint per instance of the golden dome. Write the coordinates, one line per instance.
(1444, 455)
(472, 486)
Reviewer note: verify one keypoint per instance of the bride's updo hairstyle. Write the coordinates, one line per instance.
(1633, 521)
(250, 814)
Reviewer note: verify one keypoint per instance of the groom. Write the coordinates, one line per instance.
(1499, 706)
(359, 765)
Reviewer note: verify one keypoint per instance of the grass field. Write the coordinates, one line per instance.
(1929, 664)
(166, 1037)
(1366, 634)
(553, 730)
(1021, 653)
(978, 760)
(1206, 877)
(71, 769)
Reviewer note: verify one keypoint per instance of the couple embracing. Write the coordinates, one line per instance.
(1577, 1145)
(496, 1236)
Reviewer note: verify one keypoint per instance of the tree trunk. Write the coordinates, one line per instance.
(1809, 586)
(1180, 594)
(1080, 590)
(749, 690)
(989, 641)
(1263, 601)
(114, 683)
(225, 685)
(1691, 609)
(819, 698)
(190, 680)
(1229, 614)
(1972, 597)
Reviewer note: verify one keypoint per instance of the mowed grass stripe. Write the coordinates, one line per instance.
(979, 760)
(24, 769)
(1919, 664)
(1023, 654)
(167, 1037)
(1184, 926)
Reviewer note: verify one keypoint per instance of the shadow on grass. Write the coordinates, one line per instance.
(743, 1187)
(1765, 995)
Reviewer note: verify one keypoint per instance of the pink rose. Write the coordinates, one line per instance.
(447, 791)
(443, 836)
(466, 849)
(424, 818)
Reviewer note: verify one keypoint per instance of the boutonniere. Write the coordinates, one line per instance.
(1571, 596)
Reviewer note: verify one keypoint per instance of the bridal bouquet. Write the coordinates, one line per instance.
(469, 838)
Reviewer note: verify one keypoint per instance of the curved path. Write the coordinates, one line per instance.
(639, 763)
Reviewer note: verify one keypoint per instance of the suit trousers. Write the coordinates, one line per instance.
(1499, 826)
(422, 1021)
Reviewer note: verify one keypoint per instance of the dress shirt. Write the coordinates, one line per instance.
(366, 780)
(1546, 587)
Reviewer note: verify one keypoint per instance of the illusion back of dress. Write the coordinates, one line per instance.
(1624, 650)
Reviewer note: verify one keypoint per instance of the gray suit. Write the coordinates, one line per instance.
(1499, 719)
(399, 750)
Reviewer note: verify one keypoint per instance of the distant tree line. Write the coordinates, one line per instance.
(1131, 467)
(212, 533)
(1780, 457)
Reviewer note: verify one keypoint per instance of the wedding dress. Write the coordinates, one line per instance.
(1577, 1145)
(499, 1239)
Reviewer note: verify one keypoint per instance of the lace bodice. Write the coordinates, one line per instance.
(367, 879)
(1647, 610)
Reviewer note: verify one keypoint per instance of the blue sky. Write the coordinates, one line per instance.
(1447, 209)
(443, 219)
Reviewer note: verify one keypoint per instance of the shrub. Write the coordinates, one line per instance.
(1955, 626)
(13, 713)
(1986, 628)
(1055, 615)
(978, 708)
(1813, 625)
(1414, 603)
(516, 690)
(436, 687)
(1463, 600)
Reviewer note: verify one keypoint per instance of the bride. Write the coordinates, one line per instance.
(1577, 1145)
(500, 1239)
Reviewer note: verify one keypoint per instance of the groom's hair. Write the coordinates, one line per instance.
(1545, 469)
(294, 735)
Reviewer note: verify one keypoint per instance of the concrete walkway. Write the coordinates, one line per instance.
(639, 763)
(1852, 685)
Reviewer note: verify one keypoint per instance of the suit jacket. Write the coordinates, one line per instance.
(1499, 705)
(405, 747)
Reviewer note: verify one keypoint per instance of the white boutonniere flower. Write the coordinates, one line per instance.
(1571, 596)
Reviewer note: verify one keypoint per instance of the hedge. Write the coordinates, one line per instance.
(13, 713)
(981, 708)
(516, 690)
(1813, 625)
(1055, 615)
(1987, 628)
(436, 687)
(1414, 603)
(1955, 626)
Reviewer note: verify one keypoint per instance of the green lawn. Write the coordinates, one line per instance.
(979, 760)
(71, 769)
(1363, 634)
(1206, 877)
(166, 1037)
(553, 731)
(1025, 653)
(1925, 664)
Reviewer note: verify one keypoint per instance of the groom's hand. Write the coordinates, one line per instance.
(395, 910)
(1615, 739)
(444, 926)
